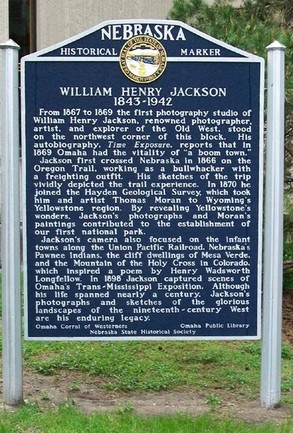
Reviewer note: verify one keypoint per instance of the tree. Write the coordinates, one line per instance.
(252, 27)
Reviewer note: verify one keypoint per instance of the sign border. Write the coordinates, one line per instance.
(247, 58)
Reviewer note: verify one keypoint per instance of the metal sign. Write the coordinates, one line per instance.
(143, 185)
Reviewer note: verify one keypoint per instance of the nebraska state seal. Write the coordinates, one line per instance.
(143, 59)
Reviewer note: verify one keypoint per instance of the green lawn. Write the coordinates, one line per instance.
(67, 419)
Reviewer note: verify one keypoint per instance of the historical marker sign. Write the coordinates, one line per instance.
(142, 173)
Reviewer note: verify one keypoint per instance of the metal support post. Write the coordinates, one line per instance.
(12, 354)
(273, 238)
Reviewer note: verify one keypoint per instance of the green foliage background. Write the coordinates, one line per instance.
(252, 27)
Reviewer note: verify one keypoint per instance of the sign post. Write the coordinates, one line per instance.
(10, 229)
(143, 185)
(273, 242)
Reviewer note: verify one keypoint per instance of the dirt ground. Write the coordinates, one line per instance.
(86, 393)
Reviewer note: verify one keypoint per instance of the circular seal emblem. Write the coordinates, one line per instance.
(143, 59)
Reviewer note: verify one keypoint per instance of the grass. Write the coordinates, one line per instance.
(67, 419)
(155, 366)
